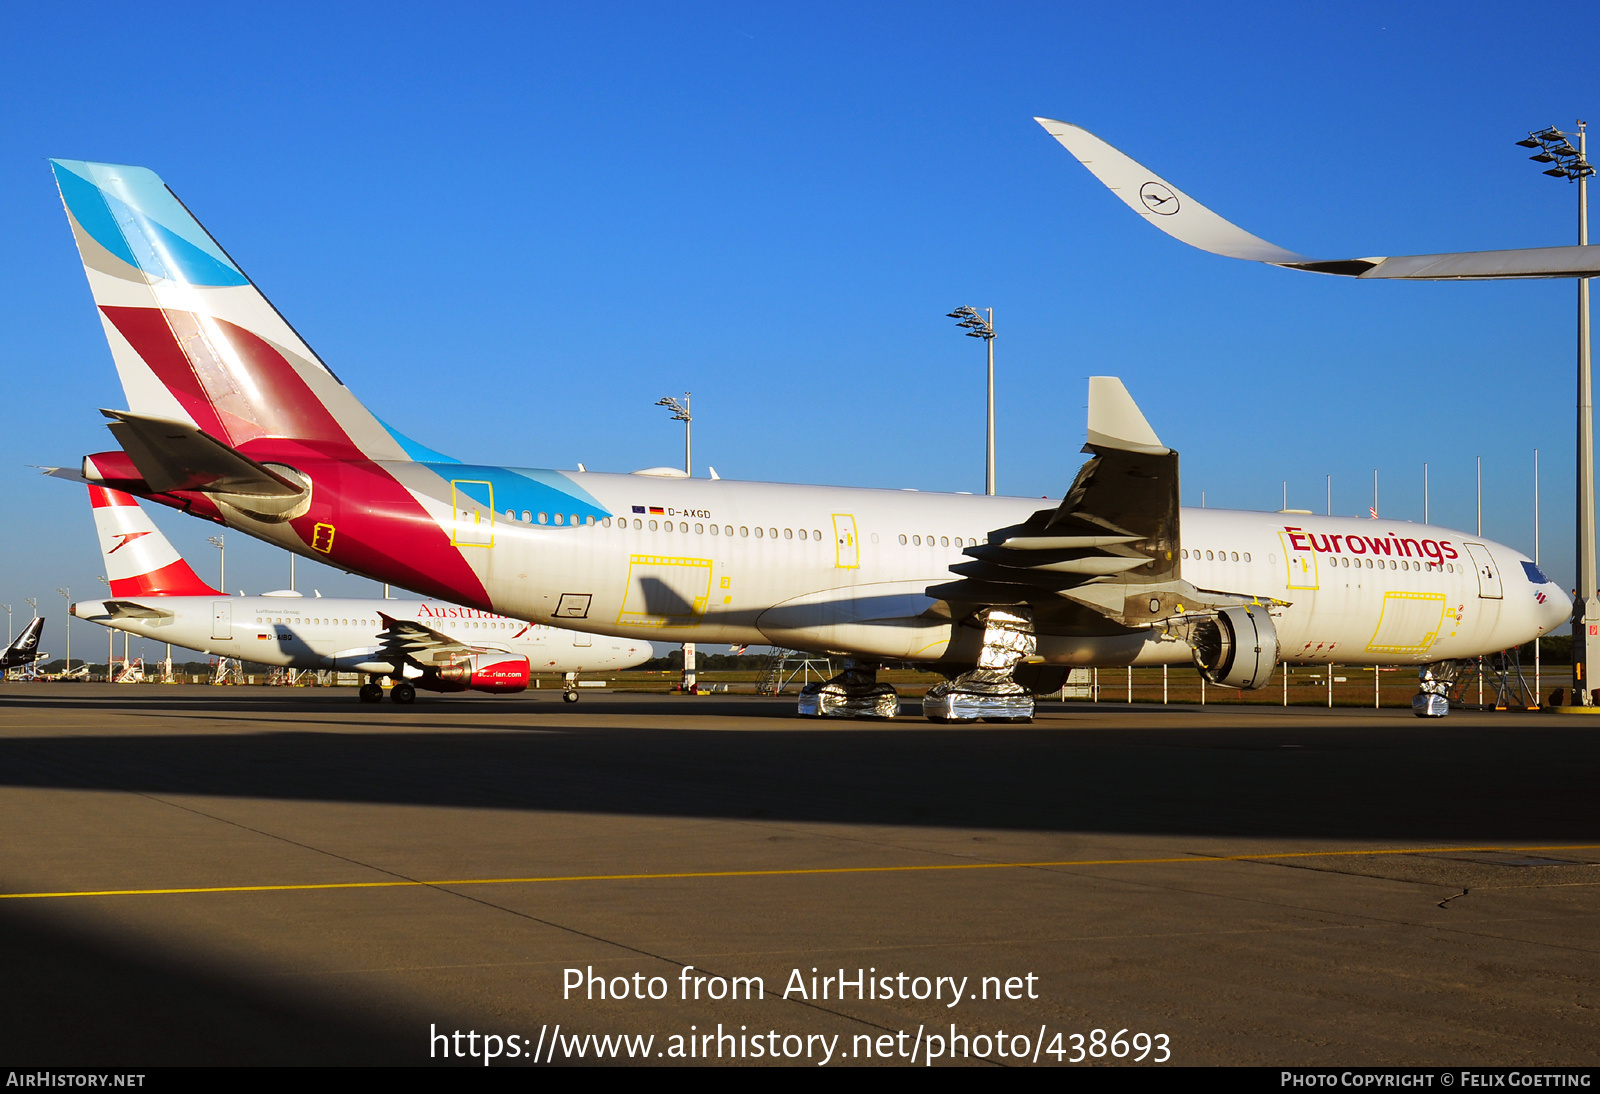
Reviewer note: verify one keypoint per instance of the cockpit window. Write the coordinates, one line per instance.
(1534, 575)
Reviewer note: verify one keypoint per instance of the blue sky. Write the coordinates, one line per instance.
(510, 229)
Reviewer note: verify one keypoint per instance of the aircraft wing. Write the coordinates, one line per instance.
(1183, 218)
(408, 640)
(1109, 551)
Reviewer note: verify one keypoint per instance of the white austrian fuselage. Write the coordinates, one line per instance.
(845, 570)
(343, 633)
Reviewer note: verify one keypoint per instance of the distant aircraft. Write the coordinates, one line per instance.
(1184, 218)
(24, 649)
(426, 644)
(234, 419)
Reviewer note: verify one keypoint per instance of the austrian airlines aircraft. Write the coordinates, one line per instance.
(231, 417)
(426, 644)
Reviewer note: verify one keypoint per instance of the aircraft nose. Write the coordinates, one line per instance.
(1556, 610)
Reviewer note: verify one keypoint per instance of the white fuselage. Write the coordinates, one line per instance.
(343, 633)
(845, 570)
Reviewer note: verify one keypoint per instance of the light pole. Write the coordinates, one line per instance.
(979, 327)
(222, 576)
(680, 413)
(111, 638)
(67, 595)
(1567, 162)
(7, 607)
(33, 603)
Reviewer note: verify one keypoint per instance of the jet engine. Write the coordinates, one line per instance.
(1237, 647)
(493, 672)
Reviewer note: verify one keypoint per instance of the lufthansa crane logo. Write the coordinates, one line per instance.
(1158, 198)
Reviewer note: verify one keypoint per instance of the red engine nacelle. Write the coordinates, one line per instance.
(494, 672)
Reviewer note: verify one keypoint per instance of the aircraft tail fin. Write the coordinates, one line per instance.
(24, 649)
(139, 559)
(193, 339)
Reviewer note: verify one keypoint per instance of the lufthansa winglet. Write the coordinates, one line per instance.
(1183, 218)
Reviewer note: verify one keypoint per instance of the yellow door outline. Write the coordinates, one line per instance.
(470, 526)
(847, 542)
(693, 587)
(1301, 575)
(1414, 601)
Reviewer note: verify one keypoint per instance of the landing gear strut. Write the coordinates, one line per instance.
(854, 693)
(569, 681)
(988, 691)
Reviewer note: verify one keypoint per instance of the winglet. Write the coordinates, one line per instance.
(1162, 203)
(1185, 219)
(1115, 420)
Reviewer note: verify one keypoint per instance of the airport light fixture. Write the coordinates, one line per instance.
(67, 595)
(980, 327)
(1570, 163)
(222, 576)
(680, 413)
(7, 607)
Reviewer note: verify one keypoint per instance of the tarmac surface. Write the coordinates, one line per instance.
(253, 875)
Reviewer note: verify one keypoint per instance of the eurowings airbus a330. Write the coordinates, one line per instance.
(419, 644)
(231, 417)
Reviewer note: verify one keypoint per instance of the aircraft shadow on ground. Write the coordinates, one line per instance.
(1312, 778)
(84, 996)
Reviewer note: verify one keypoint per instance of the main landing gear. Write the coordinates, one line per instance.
(372, 691)
(854, 693)
(988, 691)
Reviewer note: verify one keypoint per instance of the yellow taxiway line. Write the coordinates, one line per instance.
(413, 884)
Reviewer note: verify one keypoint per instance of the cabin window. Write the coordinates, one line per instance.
(944, 541)
(1247, 556)
(713, 529)
(788, 533)
(902, 541)
(727, 529)
(699, 529)
(559, 518)
(683, 526)
(818, 535)
(652, 526)
(916, 541)
(604, 523)
(802, 533)
(743, 531)
(1235, 556)
(758, 533)
(773, 532)
(1208, 555)
(544, 518)
(637, 524)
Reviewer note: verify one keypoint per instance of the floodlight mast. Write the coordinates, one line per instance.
(1555, 147)
(680, 413)
(979, 327)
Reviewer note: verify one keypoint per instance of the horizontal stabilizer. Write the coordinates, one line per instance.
(1183, 218)
(173, 455)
